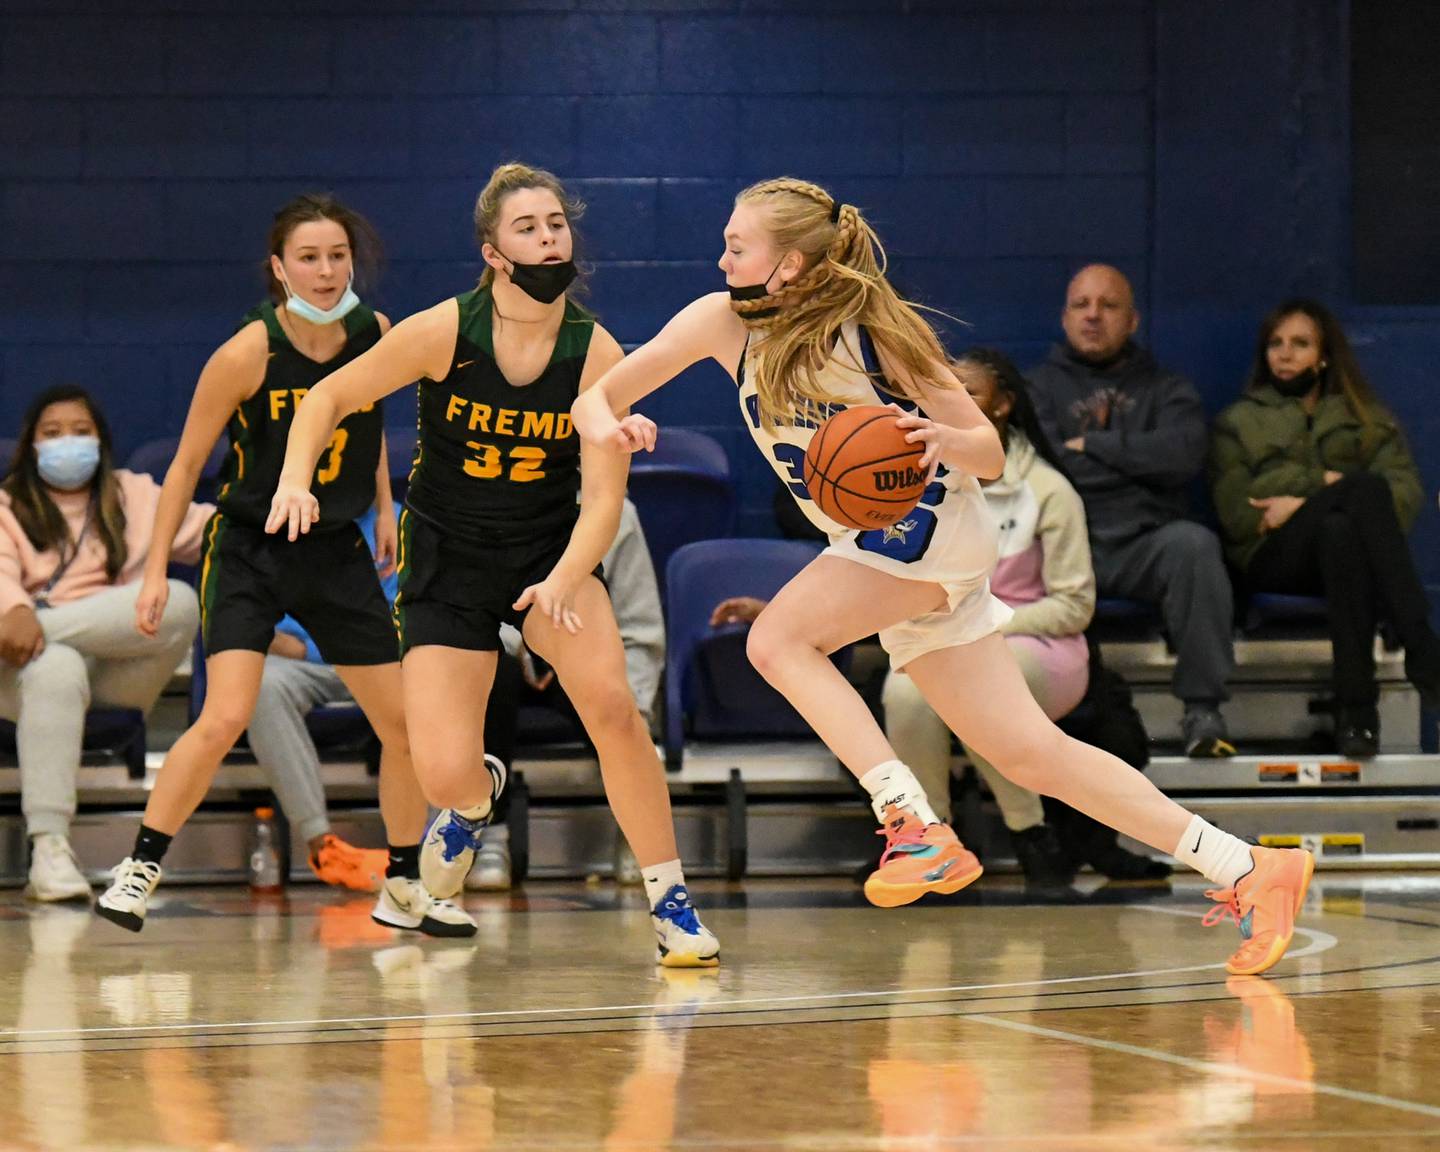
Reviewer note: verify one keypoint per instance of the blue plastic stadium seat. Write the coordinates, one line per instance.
(1266, 607)
(1273, 615)
(1119, 618)
(711, 690)
(683, 492)
(154, 456)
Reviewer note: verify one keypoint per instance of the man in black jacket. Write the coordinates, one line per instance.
(1135, 438)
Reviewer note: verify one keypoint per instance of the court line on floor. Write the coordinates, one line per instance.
(1319, 942)
(1209, 1066)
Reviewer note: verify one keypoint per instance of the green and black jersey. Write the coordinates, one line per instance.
(344, 480)
(496, 461)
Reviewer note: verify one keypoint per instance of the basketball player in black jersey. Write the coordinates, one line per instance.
(252, 386)
(491, 533)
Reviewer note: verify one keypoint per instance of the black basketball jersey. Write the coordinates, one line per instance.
(344, 480)
(492, 459)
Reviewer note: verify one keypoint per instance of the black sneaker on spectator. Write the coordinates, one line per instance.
(1042, 858)
(1206, 737)
(1117, 863)
(1357, 733)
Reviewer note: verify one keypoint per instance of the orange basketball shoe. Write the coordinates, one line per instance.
(918, 858)
(1264, 902)
(346, 866)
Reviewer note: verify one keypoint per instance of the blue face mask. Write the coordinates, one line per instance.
(307, 311)
(67, 462)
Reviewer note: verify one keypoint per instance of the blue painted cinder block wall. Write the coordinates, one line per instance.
(996, 145)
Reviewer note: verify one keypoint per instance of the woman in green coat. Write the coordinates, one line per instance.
(1315, 490)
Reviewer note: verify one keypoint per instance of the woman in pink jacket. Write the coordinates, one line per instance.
(74, 535)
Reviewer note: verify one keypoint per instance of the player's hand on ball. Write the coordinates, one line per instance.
(554, 599)
(150, 605)
(635, 433)
(293, 509)
(923, 430)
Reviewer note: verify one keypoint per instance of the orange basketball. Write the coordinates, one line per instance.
(859, 469)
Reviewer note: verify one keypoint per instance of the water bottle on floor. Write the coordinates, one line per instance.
(265, 875)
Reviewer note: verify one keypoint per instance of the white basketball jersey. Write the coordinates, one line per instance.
(845, 381)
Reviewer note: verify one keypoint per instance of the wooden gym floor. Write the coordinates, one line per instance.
(990, 1021)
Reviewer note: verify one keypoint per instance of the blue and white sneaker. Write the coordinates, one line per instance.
(682, 941)
(452, 841)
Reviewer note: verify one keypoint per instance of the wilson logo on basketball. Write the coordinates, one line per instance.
(893, 479)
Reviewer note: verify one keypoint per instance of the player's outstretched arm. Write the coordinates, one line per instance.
(706, 328)
(604, 471)
(231, 375)
(420, 346)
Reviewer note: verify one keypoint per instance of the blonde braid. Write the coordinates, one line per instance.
(843, 282)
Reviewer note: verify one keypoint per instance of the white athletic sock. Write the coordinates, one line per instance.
(476, 814)
(1220, 857)
(660, 878)
(893, 783)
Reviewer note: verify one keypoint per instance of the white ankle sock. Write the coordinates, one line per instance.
(893, 783)
(660, 878)
(475, 814)
(1220, 857)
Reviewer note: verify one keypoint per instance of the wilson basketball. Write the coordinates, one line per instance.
(860, 471)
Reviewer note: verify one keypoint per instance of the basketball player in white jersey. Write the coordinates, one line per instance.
(810, 324)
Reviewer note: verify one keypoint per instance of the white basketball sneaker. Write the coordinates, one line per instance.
(450, 846)
(405, 904)
(682, 941)
(54, 872)
(125, 901)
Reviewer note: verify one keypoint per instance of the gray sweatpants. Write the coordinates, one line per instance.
(1179, 568)
(289, 690)
(93, 655)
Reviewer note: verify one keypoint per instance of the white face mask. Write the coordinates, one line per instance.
(307, 311)
(67, 462)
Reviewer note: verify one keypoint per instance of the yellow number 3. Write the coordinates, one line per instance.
(336, 448)
(485, 464)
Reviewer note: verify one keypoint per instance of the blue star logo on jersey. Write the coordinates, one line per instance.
(899, 531)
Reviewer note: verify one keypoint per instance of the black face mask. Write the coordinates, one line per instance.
(544, 283)
(756, 292)
(1301, 384)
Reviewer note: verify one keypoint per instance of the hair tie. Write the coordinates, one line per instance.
(835, 212)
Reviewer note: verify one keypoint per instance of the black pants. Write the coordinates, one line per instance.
(500, 716)
(1178, 567)
(508, 694)
(1345, 543)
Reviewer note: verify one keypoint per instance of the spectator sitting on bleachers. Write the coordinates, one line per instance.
(1315, 490)
(1044, 574)
(1134, 435)
(74, 535)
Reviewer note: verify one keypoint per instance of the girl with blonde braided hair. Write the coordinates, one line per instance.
(809, 326)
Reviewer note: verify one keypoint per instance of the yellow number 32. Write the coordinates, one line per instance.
(525, 462)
